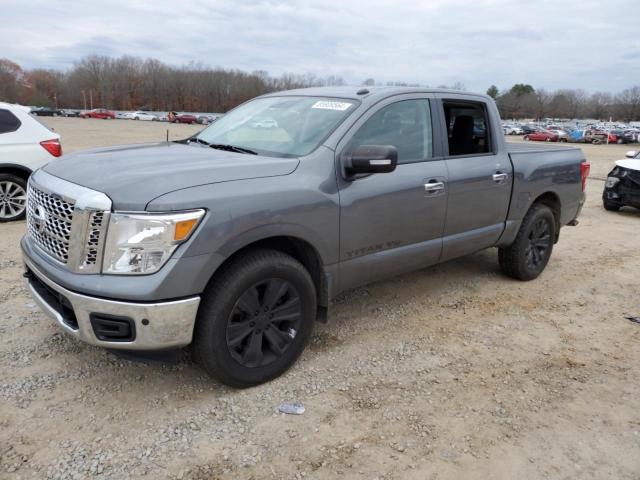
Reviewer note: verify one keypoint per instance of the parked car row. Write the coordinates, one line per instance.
(558, 133)
(105, 114)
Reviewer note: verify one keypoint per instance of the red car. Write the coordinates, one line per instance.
(98, 113)
(542, 136)
(183, 118)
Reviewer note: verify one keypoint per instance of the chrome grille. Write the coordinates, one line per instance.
(67, 222)
(49, 219)
(94, 233)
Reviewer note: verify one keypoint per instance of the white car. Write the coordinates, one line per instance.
(140, 115)
(25, 146)
(512, 130)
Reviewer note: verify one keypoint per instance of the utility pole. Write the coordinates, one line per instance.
(91, 99)
(84, 99)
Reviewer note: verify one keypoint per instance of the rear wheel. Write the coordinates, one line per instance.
(529, 254)
(255, 318)
(13, 197)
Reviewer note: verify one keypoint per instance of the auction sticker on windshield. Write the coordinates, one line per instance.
(325, 105)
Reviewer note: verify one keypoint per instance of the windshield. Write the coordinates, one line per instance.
(279, 126)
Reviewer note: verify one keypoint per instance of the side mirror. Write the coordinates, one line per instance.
(631, 154)
(371, 159)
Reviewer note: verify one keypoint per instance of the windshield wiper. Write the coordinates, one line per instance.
(231, 148)
(199, 140)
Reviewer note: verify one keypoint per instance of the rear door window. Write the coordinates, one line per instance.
(8, 122)
(468, 129)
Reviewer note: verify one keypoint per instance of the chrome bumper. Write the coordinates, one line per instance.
(158, 326)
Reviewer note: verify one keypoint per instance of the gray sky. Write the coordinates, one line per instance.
(551, 44)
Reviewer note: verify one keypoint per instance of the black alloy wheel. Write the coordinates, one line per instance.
(528, 255)
(255, 318)
(540, 244)
(264, 322)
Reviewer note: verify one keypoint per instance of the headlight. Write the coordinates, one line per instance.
(140, 243)
(611, 182)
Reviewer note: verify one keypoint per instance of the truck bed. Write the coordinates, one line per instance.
(546, 167)
(535, 147)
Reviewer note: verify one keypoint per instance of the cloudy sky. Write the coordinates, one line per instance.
(587, 44)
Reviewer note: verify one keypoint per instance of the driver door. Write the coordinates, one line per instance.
(393, 222)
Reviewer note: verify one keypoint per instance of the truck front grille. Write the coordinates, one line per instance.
(49, 222)
(67, 222)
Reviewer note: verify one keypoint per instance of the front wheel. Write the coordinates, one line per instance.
(529, 254)
(255, 318)
(13, 197)
(609, 205)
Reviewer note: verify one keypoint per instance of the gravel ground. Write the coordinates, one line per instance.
(453, 372)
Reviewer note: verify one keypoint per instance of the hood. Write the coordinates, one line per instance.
(133, 175)
(630, 163)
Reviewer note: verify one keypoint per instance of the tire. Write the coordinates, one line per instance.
(226, 332)
(525, 138)
(522, 260)
(610, 206)
(619, 141)
(13, 197)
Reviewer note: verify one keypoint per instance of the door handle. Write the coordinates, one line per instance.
(434, 187)
(500, 177)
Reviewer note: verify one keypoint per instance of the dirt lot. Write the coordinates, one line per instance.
(454, 372)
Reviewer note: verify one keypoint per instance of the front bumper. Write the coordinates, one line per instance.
(154, 326)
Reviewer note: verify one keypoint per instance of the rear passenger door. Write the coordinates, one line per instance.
(480, 175)
(391, 223)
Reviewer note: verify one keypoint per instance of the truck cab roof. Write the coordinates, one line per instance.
(370, 94)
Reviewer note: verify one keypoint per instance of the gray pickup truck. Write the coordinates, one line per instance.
(235, 240)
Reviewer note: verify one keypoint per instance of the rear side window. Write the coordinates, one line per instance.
(467, 128)
(8, 122)
(406, 125)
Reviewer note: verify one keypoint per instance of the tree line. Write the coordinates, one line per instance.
(132, 83)
(524, 101)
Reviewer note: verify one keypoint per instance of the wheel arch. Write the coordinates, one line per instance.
(300, 249)
(551, 200)
(16, 169)
(548, 198)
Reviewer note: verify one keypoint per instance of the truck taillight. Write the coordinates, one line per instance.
(585, 167)
(52, 146)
